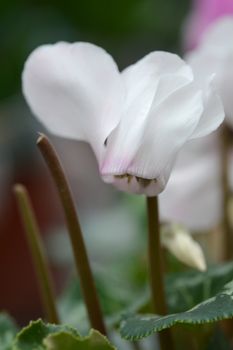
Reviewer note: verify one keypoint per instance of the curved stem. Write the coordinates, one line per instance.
(226, 195)
(156, 270)
(37, 253)
(76, 237)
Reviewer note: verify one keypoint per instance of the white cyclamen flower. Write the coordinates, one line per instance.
(136, 121)
(215, 55)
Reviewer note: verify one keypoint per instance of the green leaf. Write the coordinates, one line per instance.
(114, 300)
(213, 309)
(67, 341)
(185, 290)
(8, 330)
(40, 336)
(32, 336)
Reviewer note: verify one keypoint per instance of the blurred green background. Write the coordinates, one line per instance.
(128, 29)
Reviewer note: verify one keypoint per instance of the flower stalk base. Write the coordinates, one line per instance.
(228, 234)
(156, 269)
(76, 236)
(37, 253)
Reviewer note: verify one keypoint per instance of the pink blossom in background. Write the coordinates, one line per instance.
(204, 12)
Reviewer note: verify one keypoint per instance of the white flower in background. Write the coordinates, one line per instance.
(215, 55)
(198, 168)
(136, 121)
(181, 244)
(193, 195)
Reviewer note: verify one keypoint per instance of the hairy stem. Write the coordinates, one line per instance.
(37, 252)
(75, 233)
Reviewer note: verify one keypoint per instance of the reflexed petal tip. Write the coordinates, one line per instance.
(205, 78)
(181, 244)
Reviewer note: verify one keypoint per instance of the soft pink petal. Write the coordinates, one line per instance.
(203, 14)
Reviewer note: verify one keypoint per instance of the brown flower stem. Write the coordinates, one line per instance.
(76, 237)
(37, 252)
(228, 238)
(156, 270)
(136, 346)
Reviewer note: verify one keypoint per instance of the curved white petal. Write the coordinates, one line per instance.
(193, 193)
(213, 114)
(206, 71)
(203, 63)
(162, 110)
(159, 73)
(181, 244)
(148, 83)
(154, 147)
(75, 90)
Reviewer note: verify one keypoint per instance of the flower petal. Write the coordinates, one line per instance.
(215, 35)
(149, 81)
(150, 152)
(193, 194)
(75, 90)
(135, 185)
(145, 75)
(206, 75)
(213, 114)
(161, 102)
